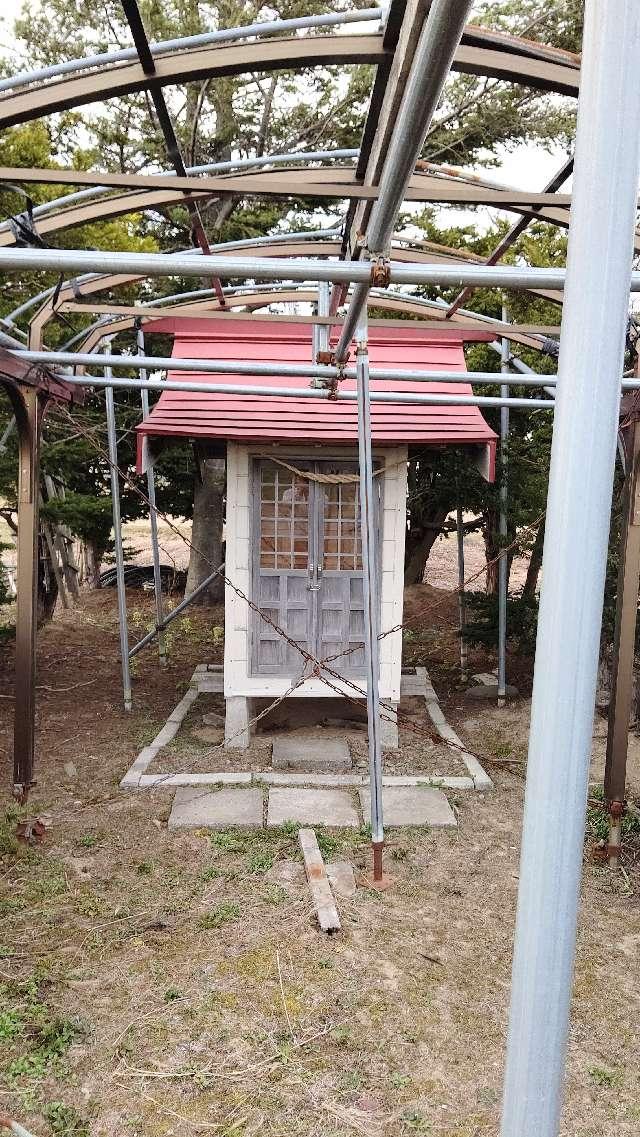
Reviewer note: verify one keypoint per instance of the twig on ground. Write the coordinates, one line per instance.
(284, 1001)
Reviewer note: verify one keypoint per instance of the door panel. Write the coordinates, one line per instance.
(308, 568)
(284, 546)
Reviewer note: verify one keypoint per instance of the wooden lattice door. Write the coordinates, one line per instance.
(307, 568)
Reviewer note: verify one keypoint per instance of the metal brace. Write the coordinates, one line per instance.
(380, 272)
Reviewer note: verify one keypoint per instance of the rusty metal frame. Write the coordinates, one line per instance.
(30, 389)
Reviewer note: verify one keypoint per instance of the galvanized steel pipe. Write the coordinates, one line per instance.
(594, 320)
(439, 38)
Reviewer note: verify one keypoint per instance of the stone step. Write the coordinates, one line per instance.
(198, 807)
(419, 805)
(311, 755)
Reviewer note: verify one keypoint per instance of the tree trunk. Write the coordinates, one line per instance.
(206, 533)
(420, 541)
(47, 585)
(492, 550)
(535, 564)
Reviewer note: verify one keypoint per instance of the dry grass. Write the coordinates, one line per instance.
(163, 984)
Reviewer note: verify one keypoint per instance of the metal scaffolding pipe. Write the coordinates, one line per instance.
(503, 563)
(462, 607)
(117, 533)
(71, 261)
(225, 35)
(166, 620)
(254, 367)
(601, 233)
(153, 514)
(439, 38)
(370, 577)
(428, 399)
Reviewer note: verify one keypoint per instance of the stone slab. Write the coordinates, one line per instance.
(419, 805)
(169, 780)
(312, 807)
(195, 807)
(490, 691)
(311, 754)
(342, 879)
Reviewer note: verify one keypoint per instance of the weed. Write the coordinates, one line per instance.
(88, 841)
(260, 863)
(342, 1035)
(326, 964)
(229, 841)
(223, 913)
(327, 844)
(29, 1025)
(608, 1079)
(172, 994)
(415, 1121)
(210, 873)
(64, 1120)
(399, 1081)
(8, 839)
(274, 894)
(289, 828)
(145, 868)
(598, 818)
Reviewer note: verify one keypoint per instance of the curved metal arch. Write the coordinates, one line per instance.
(273, 55)
(425, 252)
(335, 182)
(188, 66)
(261, 297)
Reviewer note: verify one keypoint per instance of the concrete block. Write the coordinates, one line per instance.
(239, 712)
(490, 691)
(389, 729)
(419, 805)
(169, 780)
(166, 735)
(342, 879)
(312, 807)
(312, 754)
(201, 808)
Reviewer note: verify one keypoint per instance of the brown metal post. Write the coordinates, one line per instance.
(625, 630)
(28, 418)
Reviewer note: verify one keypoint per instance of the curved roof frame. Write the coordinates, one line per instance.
(83, 82)
(554, 72)
(69, 291)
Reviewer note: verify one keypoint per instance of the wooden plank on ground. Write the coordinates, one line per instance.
(319, 886)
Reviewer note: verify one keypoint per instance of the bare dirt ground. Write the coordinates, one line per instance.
(153, 983)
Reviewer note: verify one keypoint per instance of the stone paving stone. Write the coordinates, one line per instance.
(196, 807)
(342, 878)
(312, 807)
(311, 754)
(419, 805)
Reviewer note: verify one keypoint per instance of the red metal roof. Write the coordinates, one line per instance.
(251, 418)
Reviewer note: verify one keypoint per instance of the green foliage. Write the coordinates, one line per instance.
(224, 913)
(65, 1121)
(33, 1037)
(482, 620)
(598, 819)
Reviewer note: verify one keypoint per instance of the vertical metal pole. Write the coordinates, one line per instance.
(153, 517)
(324, 305)
(581, 480)
(615, 772)
(462, 613)
(28, 417)
(371, 597)
(503, 563)
(117, 533)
